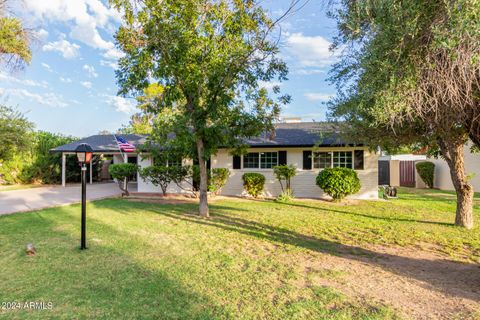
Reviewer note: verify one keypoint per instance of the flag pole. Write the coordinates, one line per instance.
(123, 157)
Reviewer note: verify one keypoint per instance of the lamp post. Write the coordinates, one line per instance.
(84, 155)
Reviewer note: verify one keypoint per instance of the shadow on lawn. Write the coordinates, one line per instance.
(367, 215)
(452, 278)
(100, 282)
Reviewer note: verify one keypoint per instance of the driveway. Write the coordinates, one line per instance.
(45, 197)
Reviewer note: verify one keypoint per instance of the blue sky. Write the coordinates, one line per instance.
(70, 85)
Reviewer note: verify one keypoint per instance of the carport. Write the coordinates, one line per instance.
(102, 144)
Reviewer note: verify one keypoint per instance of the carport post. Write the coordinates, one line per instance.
(64, 165)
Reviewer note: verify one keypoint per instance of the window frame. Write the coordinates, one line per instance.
(259, 160)
(331, 153)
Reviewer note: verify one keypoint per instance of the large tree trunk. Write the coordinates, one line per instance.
(203, 206)
(453, 153)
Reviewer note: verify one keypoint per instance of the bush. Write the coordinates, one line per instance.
(122, 172)
(158, 176)
(253, 183)
(285, 196)
(218, 179)
(338, 182)
(284, 174)
(426, 171)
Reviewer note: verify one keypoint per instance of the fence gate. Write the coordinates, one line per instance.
(407, 173)
(383, 172)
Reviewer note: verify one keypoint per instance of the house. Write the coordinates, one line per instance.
(442, 178)
(399, 170)
(310, 146)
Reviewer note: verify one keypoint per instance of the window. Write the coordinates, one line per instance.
(268, 160)
(251, 160)
(342, 159)
(262, 160)
(322, 160)
(174, 162)
(358, 160)
(171, 161)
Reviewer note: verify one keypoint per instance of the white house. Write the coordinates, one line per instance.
(310, 146)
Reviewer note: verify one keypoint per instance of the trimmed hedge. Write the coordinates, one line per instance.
(338, 182)
(253, 183)
(218, 179)
(426, 171)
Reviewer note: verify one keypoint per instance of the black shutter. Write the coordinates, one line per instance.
(209, 164)
(282, 158)
(307, 160)
(358, 160)
(237, 162)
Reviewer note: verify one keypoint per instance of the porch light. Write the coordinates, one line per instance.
(84, 155)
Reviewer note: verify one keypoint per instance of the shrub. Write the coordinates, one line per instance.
(159, 176)
(338, 182)
(218, 178)
(122, 172)
(285, 196)
(284, 174)
(253, 183)
(426, 171)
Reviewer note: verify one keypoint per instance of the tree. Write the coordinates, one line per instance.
(284, 174)
(409, 74)
(15, 132)
(208, 58)
(14, 41)
(123, 173)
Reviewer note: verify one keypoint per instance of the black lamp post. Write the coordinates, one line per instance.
(84, 155)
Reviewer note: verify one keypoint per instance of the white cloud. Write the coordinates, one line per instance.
(64, 47)
(318, 96)
(90, 71)
(42, 34)
(269, 85)
(65, 80)
(49, 99)
(86, 84)
(32, 83)
(110, 64)
(113, 54)
(121, 104)
(310, 51)
(86, 18)
(47, 67)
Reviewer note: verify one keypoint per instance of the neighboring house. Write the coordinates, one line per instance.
(442, 176)
(308, 146)
(399, 170)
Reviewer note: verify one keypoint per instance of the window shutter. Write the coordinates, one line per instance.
(209, 164)
(282, 158)
(307, 160)
(237, 162)
(358, 159)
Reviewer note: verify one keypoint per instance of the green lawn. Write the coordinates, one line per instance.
(158, 261)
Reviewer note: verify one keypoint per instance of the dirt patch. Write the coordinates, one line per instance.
(420, 284)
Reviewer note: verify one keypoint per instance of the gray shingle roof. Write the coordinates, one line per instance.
(303, 134)
(102, 143)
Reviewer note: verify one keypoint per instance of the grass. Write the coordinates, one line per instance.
(147, 260)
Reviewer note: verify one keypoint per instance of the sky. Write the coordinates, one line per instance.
(70, 85)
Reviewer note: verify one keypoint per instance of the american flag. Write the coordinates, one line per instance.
(123, 144)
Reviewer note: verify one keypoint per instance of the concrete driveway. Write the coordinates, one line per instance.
(45, 197)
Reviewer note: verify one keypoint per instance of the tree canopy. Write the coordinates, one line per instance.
(203, 62)
(15, 132)
(409, 74)
(14, 40)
